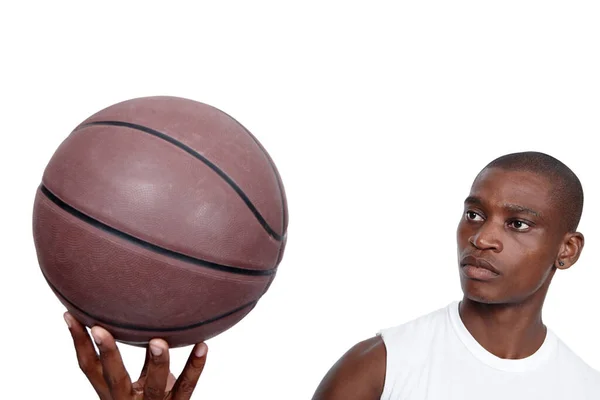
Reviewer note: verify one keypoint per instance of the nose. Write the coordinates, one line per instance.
(487, 237)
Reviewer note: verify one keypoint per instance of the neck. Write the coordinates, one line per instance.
(509, 331)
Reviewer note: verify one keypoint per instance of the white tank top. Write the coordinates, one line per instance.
(434, 357)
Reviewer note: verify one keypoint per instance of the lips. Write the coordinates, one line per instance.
(479, 263)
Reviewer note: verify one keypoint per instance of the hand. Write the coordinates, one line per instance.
(110, 379)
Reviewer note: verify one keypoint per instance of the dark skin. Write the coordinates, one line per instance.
(108, 376)
(512, 222)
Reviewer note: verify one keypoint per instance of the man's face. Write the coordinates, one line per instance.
(509, 224)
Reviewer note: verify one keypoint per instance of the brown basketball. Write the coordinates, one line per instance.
(160, 217)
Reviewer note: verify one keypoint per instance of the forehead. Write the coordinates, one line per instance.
(496, 186)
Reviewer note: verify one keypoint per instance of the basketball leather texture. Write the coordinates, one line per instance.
(160, 217)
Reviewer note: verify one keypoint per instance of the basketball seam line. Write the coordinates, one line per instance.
(198, 156)
(279, 185)
(145, 328)
(273, 167)
(150, 246)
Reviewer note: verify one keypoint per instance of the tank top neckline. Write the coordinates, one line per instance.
(546, 351)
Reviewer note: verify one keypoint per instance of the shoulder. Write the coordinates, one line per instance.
(577, 371)
(573, 363)
(583, 379)
(361, 372)
(358, 374)
(417, 333)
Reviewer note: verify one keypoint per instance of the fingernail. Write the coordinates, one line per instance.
(96, 337)
(156, 350)
(200, 350)
(68, 320)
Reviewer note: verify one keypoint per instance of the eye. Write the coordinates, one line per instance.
(519, 225)
(473, 216)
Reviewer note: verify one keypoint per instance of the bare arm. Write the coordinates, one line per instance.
(358, 375)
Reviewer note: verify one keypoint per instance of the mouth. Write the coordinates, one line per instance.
(478, 268)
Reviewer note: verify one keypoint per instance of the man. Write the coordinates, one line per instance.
(518, 228)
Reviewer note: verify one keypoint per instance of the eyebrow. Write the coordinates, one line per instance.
(508, 206)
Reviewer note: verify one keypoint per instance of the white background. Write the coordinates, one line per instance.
(378, 116)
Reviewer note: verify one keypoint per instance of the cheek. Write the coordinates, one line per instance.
(528, 262)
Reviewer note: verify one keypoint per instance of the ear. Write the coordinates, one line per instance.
(570, 250)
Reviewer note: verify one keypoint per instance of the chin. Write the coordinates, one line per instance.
(476, 298)
(479, 293)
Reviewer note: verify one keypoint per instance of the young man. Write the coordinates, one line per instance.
(518, 228)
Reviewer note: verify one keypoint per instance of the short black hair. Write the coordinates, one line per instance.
(567, 187)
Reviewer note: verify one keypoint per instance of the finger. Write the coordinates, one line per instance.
(158, 370)
(113, 370)
(185, 385)
(88, 360)
(138, 387)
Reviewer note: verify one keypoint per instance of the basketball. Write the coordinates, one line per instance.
(160, 217)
